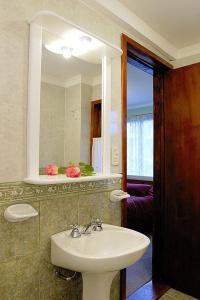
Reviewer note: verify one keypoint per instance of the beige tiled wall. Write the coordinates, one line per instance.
(25, 267)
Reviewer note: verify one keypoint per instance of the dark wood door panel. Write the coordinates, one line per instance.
(181, 257)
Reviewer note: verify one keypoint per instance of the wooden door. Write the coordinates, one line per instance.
(180, 244)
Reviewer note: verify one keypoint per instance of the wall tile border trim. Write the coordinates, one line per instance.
(11, 192)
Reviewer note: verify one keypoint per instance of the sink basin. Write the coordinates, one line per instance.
(112, 249)
(98, 256)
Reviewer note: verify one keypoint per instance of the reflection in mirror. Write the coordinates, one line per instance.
(70, 101)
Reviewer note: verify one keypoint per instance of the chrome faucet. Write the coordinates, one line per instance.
(86, 228)
(95, 224)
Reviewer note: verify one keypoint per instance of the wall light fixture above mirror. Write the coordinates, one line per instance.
(69, 102)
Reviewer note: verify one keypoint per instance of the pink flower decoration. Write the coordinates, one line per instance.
(73, 171)
(51, 170)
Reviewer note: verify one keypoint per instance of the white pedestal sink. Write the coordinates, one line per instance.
(98, 256)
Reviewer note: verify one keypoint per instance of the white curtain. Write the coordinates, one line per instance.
(140, 145)
(97, 154)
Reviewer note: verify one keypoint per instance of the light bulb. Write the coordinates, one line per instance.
(66, 52)
(85, 40)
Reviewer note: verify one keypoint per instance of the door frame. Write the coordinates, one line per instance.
(159, 65)
(93, 120)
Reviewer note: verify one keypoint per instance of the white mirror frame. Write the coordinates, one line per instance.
(33, 114)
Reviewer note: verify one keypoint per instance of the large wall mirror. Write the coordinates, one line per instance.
(70, 81)
(69, 99)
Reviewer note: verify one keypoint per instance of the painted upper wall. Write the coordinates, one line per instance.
(52, 120)
(14, 40)
(14, 35)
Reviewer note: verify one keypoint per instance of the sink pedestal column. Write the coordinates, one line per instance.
(97, 285)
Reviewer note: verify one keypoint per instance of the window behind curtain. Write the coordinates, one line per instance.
(140, 145)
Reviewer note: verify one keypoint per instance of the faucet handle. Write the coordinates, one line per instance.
(75, 231)
(96, 221)
(97, 224)
(74, 226)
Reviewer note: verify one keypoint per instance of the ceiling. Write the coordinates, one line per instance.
(178, 21)
(85, 62)
(56, 65)
(170, 28)
(140, 88)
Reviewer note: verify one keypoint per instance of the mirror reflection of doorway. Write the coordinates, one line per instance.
(95, 136)
(139, 166)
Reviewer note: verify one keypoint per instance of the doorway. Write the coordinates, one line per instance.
(148, 65)
(139, 166)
